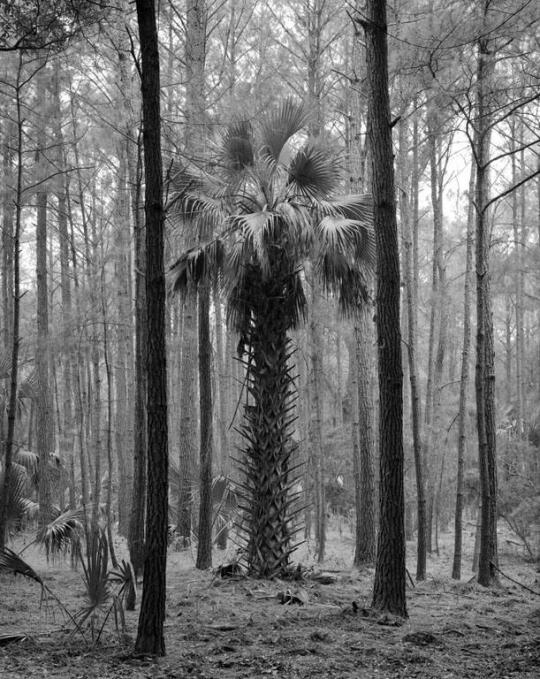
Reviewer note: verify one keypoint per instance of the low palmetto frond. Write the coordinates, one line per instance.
(63, 534)
(269, 210)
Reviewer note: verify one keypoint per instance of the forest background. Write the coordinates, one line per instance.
(72, 254)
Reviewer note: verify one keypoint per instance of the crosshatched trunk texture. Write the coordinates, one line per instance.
(267, 499)
(389, 586)
(150, 637)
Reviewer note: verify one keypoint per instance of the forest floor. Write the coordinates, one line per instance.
(231, 628)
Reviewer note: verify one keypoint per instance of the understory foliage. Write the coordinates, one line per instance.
(265, 208)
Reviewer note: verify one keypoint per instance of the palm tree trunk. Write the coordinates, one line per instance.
(268, 468)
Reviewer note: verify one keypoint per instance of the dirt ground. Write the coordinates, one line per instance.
(223, 628)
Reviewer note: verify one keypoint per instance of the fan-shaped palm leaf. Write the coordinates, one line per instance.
(17, 492)
(95, 576)
(279, 126)
(359, 210)
(30, 461)
(255, 231)
(28, 387)
(314, 172)
(64, 533)
(5, 364)
(237, 146)
(197, 264)
(10, 562)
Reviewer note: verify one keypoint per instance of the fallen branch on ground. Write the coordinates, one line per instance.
(515, 581)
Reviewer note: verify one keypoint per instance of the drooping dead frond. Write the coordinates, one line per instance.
(237, 146)
(196, 265)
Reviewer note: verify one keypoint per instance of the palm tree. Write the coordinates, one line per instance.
(270, 205)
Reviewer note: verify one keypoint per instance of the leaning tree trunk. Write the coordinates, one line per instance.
(267, 500)
(389, 585)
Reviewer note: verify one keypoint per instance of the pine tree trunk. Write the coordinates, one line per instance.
(150, 637)
(389, 585)
(411, 301)
(44, 412)
(463, 388)
(485, 370)
(138, 503)
(204, 547)
(315, 421)
(365, 524)
(123, 366)
(15, 320)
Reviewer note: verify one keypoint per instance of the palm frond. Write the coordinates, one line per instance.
(196, 265)
(64, 533)
(197, 198)
(350, 210)
(124, 577)
(10, 562)
(95, 575)
(344, 278)
(5, 364)
(28, 387)
(279, 126)
(255, 230)
(297, 221)
(314, 172)
(29, 460)
(237, 146)
(17, 492)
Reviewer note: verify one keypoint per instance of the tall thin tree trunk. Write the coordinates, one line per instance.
(44, 412)
(204, 549)
(150, 637)
(389, 585)
(15, 321)
(365, 523)
(138, 502)
(411, 302)
(485, 370)
(464, 384)
(315, 421)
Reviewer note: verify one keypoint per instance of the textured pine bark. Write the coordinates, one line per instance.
(389, 585)
(365, 524)
(485, 369)
(407, 236)
(463, 387)
(43, 396)
(150, 637)
(204, 548)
